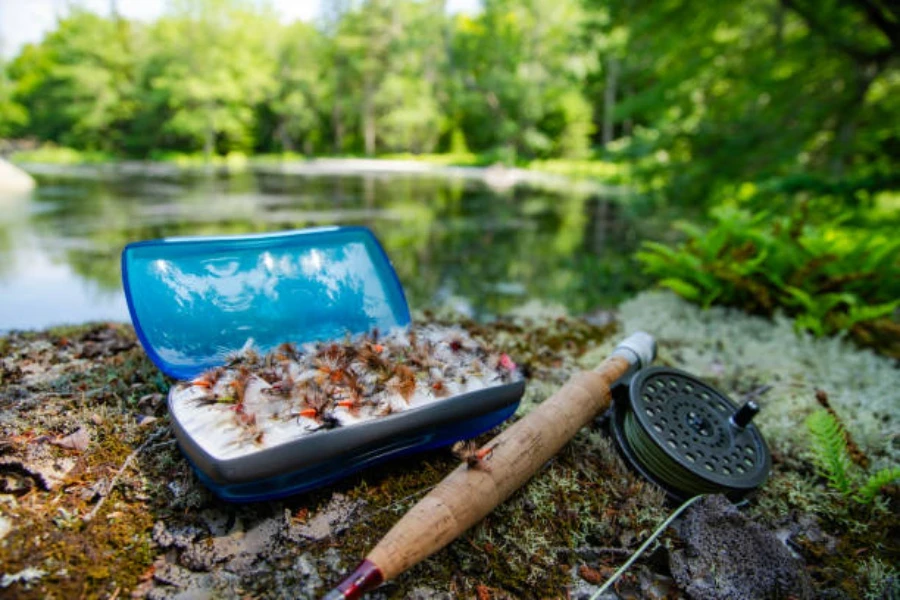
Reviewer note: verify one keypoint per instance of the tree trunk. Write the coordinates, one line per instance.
(845, 128)
(338, 126)
(287, 144)
(368, 118)
(778, 20)
(628, 123)
(609, 100)
(209, 137)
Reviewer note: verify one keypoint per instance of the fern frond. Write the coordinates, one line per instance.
(830, 449)
(874, 484)
(682, 288)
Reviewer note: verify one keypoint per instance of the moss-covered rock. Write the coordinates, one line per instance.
(121, 512)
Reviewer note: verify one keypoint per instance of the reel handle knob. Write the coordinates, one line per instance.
(742, 416)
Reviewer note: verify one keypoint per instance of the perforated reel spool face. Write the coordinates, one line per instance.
(681, 434)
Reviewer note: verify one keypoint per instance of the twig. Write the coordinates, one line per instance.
(153, 437)
(592, 549)
(396, 503)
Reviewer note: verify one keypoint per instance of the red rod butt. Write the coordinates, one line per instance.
(366, 577)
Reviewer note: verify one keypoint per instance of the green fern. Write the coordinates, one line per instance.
(874, 484)
(829, 275)
(830, 448)
(833, 459)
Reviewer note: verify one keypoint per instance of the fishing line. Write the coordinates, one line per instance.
(663, 466)
(637, 553)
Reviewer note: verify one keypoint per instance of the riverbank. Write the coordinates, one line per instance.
(97, 500)
(13, 180)
(587, 176)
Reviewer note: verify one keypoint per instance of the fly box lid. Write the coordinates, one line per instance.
(302, 361)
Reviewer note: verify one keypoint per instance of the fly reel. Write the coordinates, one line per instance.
(687, 437)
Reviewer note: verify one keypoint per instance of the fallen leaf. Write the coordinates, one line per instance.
(144, 420)
(77, 440)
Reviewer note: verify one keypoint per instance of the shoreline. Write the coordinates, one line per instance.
(574, 178)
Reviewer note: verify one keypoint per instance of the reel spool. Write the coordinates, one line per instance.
(688, 437)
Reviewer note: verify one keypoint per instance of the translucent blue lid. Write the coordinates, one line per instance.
(193, 301)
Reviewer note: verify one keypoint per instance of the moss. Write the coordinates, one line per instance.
(113, 550)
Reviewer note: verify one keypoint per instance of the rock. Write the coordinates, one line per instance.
(26, 576)
(5, 527)
(176, 537)
(14, 180)
(331, 520)
(427, 593)
(727, 556)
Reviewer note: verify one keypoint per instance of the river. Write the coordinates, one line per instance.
(462, 240)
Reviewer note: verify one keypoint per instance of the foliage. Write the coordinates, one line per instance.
(830, 451)
(788, 96)
(77, 86)
(830, 448)
(829, 276)
(735, 92)
(225, 75)
(13, 115)
(210, 68)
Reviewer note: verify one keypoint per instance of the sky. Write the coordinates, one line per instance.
(24, 21)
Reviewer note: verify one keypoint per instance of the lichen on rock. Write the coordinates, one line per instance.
(728, 557)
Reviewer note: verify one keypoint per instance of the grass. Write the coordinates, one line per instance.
(60, 155)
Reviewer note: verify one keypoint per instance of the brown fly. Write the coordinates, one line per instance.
(403, 382)
(469, 452)
(208, 379)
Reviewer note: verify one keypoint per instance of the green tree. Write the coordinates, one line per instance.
(13, 116)
(408, 108)
(77, 85)
(390, 72)
(212, 63)
(299, 101)
(520, 66)
(730, 92)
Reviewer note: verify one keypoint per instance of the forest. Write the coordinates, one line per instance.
(780, 118)
(791, 93)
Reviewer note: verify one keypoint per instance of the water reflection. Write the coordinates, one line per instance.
(60, 247)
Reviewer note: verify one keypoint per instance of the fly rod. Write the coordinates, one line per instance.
(468, 494)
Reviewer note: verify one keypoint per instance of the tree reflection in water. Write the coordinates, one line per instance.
(484, 250)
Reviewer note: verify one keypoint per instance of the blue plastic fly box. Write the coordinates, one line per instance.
(198, 304)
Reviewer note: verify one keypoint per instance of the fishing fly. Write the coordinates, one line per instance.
(475, 457)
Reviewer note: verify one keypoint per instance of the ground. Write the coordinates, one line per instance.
(96, 500)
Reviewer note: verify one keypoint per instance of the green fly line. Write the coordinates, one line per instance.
(660, 464)
(637, 553)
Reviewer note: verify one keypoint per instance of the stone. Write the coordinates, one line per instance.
(727, 556)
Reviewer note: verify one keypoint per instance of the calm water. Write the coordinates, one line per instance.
(453, 242)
